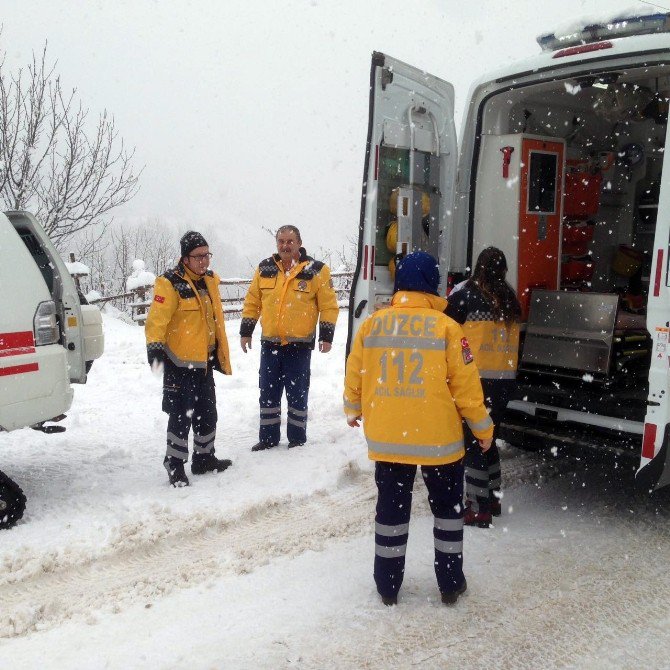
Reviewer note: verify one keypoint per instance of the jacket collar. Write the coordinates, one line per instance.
(303, 257)
(184, 272)
(416, 300)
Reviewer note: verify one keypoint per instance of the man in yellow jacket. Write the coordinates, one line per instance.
(410, 376)
(186, 337)
(290, 292)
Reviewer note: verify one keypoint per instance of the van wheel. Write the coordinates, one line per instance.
(12, 502)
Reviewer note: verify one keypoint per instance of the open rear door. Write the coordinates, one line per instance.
(408, 181)
(654, 471)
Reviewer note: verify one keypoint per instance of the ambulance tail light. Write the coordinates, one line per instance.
(648, 440)
(45, 325)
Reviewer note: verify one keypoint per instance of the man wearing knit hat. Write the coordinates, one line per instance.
(411, 378)
(186, 338)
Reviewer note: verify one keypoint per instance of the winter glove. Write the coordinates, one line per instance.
(155, 355)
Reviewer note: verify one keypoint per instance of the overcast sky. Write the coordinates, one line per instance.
(250, 114)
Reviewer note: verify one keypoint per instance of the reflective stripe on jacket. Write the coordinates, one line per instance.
(289, 306)
(177, 320)
(494, 344)
(411, 377)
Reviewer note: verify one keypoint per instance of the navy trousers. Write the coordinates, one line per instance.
(283, 368)
(395, 482)
(482, 469)
(189, 398)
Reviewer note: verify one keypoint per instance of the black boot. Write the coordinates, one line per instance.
(201, 463)
(175, 470)
(262, 446)
(451, 597)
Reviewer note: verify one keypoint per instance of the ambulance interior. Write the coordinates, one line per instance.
(566, 181)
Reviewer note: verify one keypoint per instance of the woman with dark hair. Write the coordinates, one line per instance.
(489, 311)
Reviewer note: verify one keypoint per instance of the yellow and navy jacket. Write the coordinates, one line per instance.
(179, 323)
(289, 306)
(494, 344)
(411, 376)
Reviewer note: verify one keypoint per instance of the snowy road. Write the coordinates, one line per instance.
(269, 564)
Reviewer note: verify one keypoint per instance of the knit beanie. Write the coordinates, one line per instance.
(190, 241)
(417, 272)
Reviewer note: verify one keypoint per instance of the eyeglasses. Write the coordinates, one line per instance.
(200, 257)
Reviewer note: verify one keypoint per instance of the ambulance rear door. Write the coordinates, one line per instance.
(654, 471)
(408, 180)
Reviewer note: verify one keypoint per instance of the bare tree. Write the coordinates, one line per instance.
(153, 244)
(51, 162)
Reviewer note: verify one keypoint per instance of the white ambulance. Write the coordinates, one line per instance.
(48, 339)
(560, 165)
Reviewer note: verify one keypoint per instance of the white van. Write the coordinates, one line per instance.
(560, 165)
(48, 340)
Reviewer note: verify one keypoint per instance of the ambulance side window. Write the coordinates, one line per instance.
(39, 256)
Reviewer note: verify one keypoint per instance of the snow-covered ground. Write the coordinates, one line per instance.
(269, 564)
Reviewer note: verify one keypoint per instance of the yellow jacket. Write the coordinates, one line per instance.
(177, 320)
(411, 376)
(494, 343)
(289, 306)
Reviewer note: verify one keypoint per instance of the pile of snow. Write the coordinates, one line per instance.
(77, 269)
(140, 277)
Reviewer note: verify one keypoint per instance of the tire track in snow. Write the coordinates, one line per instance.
(566, 602)
(545, 624)
(148, 568)
(287, 527)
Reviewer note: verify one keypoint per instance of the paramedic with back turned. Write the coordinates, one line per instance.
(487, 308)
(411, 377)
(186, 336)
(290, 292)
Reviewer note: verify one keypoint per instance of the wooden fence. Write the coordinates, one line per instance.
(232, 292)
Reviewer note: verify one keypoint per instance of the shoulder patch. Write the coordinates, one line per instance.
(159, 298)
(466, 352)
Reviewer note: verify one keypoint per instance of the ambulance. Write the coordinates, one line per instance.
(560, 165)
(48, 339)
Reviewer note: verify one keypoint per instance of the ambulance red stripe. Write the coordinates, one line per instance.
(19, 369)
(659, 270)
(15, 344)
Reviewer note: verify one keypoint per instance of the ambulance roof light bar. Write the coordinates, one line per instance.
(624, 25)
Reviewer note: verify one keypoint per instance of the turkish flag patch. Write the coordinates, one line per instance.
(159, 298)
(465, 350)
